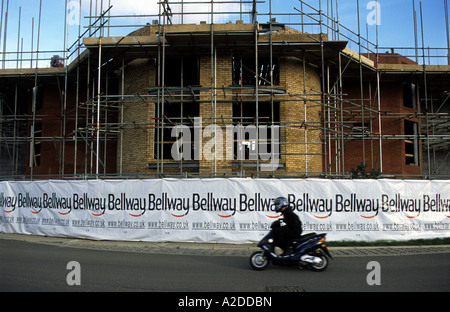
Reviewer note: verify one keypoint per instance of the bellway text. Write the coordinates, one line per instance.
(303, 202)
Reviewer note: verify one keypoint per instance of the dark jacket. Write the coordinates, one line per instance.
(283, 235)
(293, 223)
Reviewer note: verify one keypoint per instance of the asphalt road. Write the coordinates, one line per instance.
(32, 267)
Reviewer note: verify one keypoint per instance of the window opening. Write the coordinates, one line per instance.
(181, 71)
(409, 95)
(244, 114)
(175, 114)
(244, 71)
(411, 144)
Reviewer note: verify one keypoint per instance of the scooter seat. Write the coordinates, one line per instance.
(303, 238)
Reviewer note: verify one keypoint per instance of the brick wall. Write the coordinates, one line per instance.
(138, 117)
(138, 140)
(298, 129)
(392, 127)
(219, 109)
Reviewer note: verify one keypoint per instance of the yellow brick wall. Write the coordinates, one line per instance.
(138, 140)
(216, 111)
(138, 135)
(294, 123)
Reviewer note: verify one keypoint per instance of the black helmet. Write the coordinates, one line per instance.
(280, 202)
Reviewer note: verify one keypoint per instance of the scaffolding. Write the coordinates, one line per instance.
(92, 115)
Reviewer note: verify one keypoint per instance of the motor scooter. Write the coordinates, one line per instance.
(308, 251)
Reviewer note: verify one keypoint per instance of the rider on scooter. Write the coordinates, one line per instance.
(283, 235)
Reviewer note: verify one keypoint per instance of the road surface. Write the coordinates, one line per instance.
(34, 267)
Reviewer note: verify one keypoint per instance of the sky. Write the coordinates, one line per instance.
(395, 25)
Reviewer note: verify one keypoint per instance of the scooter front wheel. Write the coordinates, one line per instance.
(259, 261)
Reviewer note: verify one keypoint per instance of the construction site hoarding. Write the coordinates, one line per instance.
(224, 210)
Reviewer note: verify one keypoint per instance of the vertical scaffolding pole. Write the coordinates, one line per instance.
(5, 36)
(32, 42)
(337, 21)
(255, 23)
(380, 141)
(305, 115)
(341, 108)
(425, 89)
(35, 90)
(163, 83)
(361, 88)
(18, 37)
(99, 85)
(272, 150)
(77, 95)
(121, 117)
(447, 29)
(415, 31)
(64, 108)
(213, 79)
(1, 24)
(105, 144)
(323, 97)
(15, 157)
(88, 94)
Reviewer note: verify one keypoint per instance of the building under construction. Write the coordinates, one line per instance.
(253, 97)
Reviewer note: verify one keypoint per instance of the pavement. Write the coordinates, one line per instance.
(214, 249)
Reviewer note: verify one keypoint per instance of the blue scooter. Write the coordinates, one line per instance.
(308, 251)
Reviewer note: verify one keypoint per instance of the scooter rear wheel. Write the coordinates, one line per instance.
(322, 265)
(259, 261)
